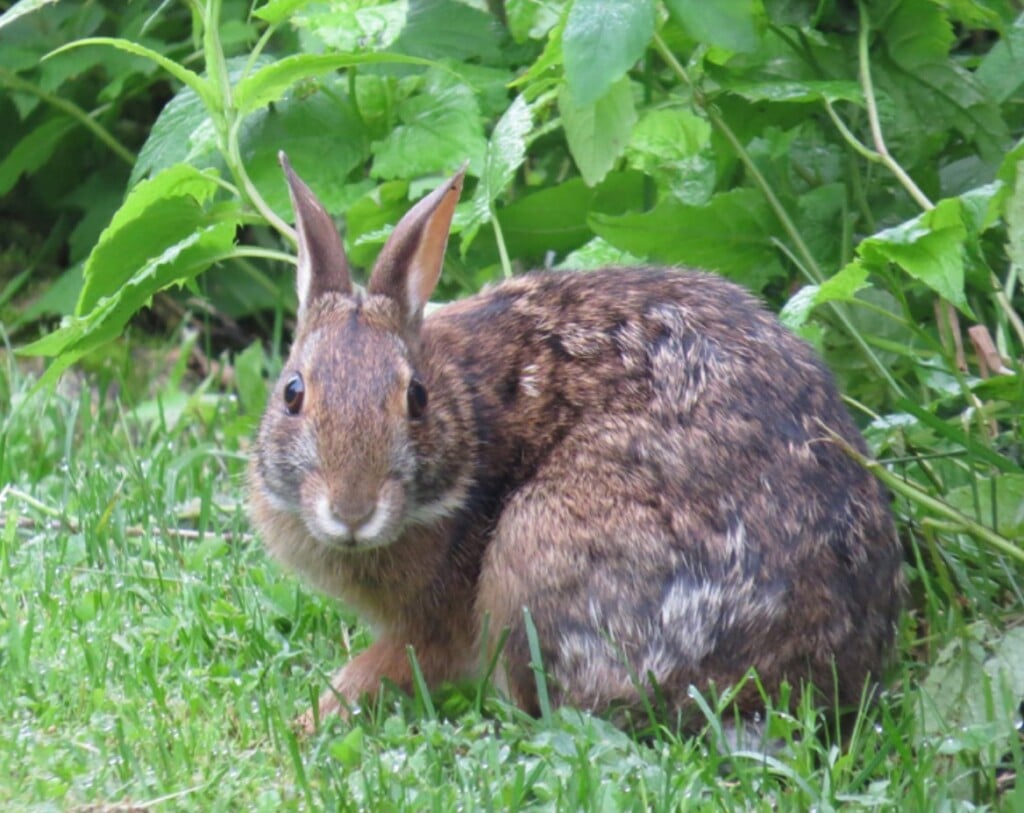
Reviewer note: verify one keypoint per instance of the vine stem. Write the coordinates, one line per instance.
(809, 264)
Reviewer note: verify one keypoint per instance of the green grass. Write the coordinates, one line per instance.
(151, 655)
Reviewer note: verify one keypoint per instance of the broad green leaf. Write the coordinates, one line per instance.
(182, 134)
(324, 135)
(439, 128)
(673, 146)
(1000, 69)
(805, 91)
(732, 234)
(206, 90)
(554, 219)
(33, 150)
(602, 40)
(598, 133)
(927, 91)
(352, 26)
(449, 30)
(930, 248)
(731, 24)
(367, 220)
(506, 152)
(270, 83)
(157, 213)
(176, 264)
(975, 676)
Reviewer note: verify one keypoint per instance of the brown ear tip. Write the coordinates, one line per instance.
(459, 176)
(282, 159)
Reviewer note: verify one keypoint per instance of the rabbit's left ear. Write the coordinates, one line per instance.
(323, 267)
(410, 262)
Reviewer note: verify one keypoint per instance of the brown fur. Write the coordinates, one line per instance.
(637, 456)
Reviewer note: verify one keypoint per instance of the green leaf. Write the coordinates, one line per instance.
(440, 128)
(999, 72)
(33, 150)
(532, 19)
(554, 219)
(729, 23)
(997, 502)
(271, 82)
(276, 12)
(801, 92)
(176, 264)
(182, 134)
(157, 213)
(598, 133)
(203, 87)
(311, 126)
(449, 30)
(602, 40)
(930, 248)
(506, 152)
(732, 234)
(673, 146)
(841, 287)
(20, 9)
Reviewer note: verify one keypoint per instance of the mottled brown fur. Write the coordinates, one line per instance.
(637, 456)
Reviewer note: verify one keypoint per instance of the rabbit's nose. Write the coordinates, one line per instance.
(355, 517)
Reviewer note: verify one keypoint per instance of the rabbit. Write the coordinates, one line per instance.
(644, 460)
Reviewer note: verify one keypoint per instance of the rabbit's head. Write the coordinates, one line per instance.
(337, 445)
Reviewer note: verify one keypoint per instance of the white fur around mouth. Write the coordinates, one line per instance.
(330, 530)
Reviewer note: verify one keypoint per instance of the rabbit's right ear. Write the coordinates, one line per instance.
(323, 266)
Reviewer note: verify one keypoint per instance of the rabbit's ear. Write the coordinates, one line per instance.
(323, 267)
(410, 262)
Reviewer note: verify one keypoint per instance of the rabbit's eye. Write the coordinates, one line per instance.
(416, 397)
(294, 391)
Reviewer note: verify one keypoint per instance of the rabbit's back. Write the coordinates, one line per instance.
(665, 496)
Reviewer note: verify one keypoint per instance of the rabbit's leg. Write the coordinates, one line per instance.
(360, 680)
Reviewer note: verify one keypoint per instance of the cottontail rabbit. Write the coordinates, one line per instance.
(638, 456)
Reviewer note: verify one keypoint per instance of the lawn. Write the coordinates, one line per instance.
(153, 658)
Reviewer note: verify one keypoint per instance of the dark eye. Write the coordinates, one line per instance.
(294, 391)
(416, 397)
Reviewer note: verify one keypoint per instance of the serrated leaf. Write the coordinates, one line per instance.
(729, 23)
(176, 264)
(930, 248)
(440, 128)
(532, 19)
(271, 82)
(602, 40)
(598, 133)
(732, 234)
(157, 213)
(203, 87)
(802, 92)
(33, 150)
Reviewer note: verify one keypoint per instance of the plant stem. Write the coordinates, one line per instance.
(15, 82)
